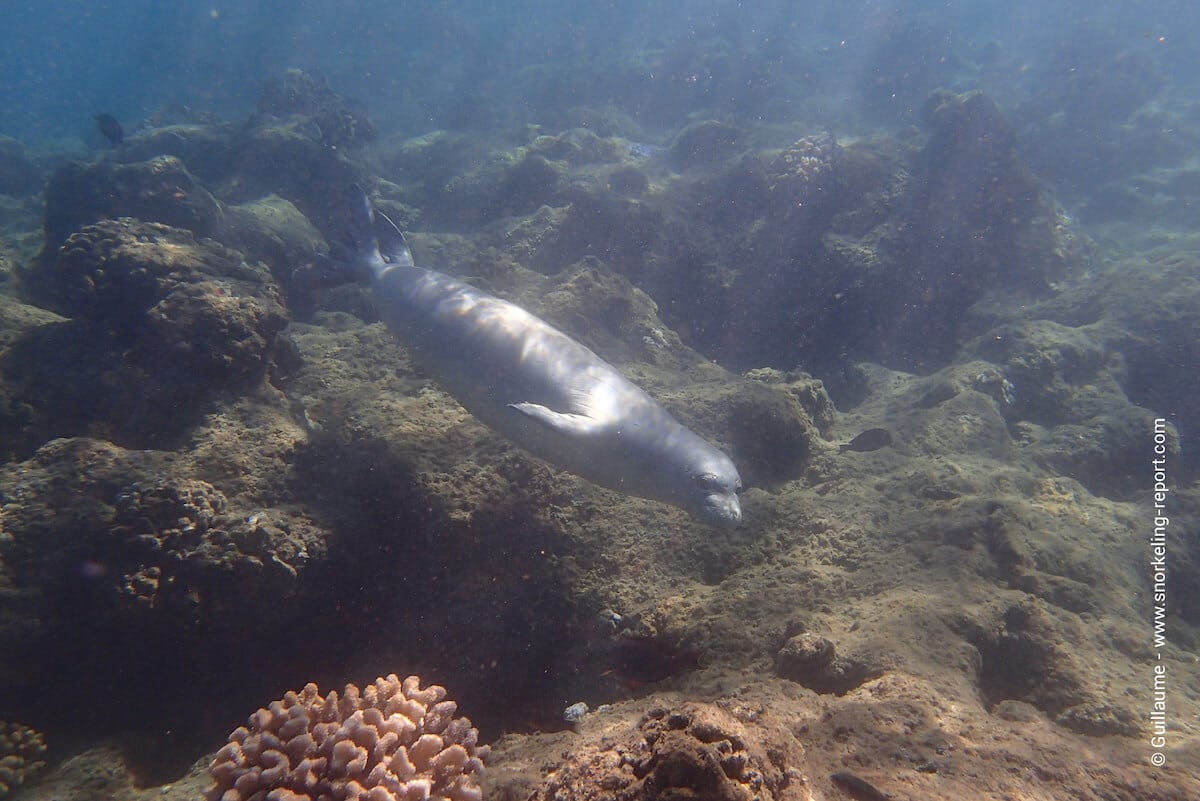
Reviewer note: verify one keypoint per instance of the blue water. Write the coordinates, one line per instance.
(426, 65)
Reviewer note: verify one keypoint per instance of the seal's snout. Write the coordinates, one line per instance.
(733, 508)
(724, 510)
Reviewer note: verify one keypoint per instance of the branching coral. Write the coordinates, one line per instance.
(22, 753)
(393, 741)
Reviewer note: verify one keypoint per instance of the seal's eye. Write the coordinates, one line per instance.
(706, 481)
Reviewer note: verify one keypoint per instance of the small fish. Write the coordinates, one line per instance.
(870, 440)
(642, 150)
(107, 124)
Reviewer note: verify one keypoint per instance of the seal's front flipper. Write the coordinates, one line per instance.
(569, 424)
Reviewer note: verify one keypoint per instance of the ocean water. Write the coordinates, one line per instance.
(62, 60)
(926, 271)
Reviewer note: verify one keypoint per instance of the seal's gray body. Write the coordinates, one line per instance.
(546, 392)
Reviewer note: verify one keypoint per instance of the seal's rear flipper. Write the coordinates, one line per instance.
(357, 235)
(392, 244)
(364, 241)
(371, 234)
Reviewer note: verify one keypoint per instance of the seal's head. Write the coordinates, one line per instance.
(713, 488)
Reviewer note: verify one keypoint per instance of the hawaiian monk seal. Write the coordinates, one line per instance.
(535, 385)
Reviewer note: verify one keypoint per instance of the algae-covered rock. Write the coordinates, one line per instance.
(19, 175)
(338, 122)
(640, 750)
(205, 147)
(158, 190)
(161, 323)
(705, 143)
(1061, 388)
(129, 554)
(276, 232)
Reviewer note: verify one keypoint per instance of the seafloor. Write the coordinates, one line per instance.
(222, 480)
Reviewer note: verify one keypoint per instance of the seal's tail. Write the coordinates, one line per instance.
(372, 236)
(363, 243)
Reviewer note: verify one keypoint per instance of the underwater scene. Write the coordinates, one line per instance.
(663, 400)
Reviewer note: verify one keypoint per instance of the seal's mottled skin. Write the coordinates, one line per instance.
(544, 391)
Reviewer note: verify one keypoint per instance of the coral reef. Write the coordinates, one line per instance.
(1048, 676)
(812, 660)
(100, 772)
(206, 148)
(393, 741)
(803, 175)
(825, 252)
(162, 321)
(138, 534)
(130, 555)
(306, 94)
(173, 174)
(1066, 401)
(685, 750)
(287, 157)
(22, 756)
(158, 190)
(276, 232)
